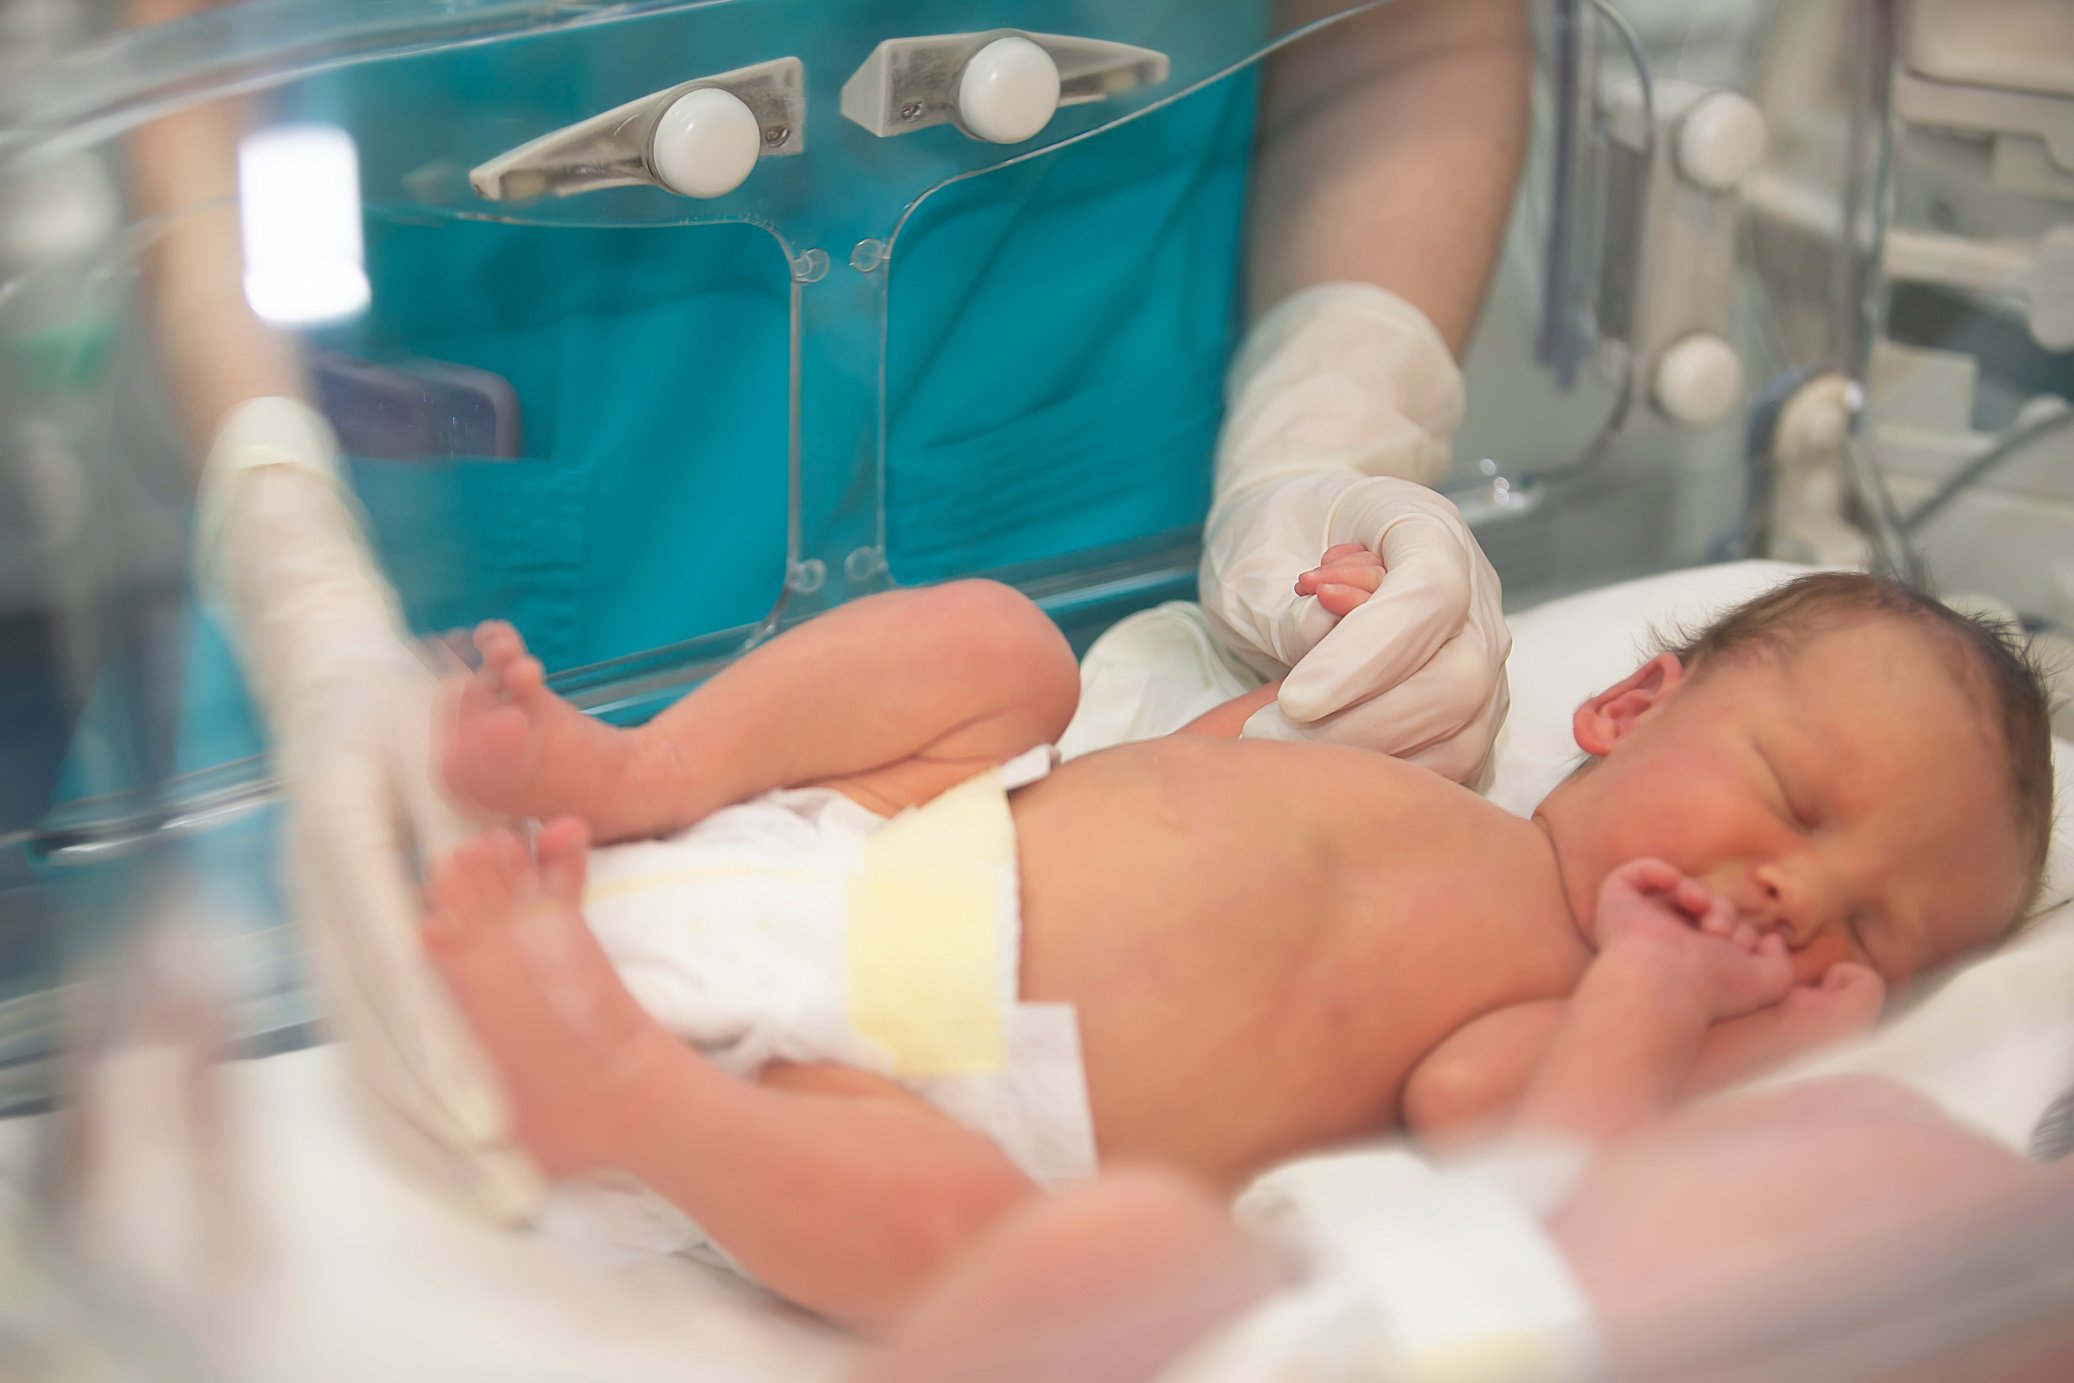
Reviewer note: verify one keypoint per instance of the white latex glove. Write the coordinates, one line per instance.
(1343, 403)
(351, 710)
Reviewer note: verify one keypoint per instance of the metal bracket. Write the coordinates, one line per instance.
(613, 149)
(909, 84)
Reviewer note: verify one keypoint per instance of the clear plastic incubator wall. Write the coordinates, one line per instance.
(659, 327)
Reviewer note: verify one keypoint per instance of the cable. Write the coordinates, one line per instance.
(2010, 445)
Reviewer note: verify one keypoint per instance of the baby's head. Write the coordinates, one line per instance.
(1843, 758)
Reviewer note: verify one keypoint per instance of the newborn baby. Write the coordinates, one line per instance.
(1267, 946)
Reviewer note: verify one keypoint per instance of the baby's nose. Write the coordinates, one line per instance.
(1787, 904)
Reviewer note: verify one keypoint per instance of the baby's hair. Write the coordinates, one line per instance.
(1993, 664)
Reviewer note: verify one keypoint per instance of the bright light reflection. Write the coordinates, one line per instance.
(299, 211)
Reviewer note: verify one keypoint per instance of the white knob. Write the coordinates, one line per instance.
(1720, 140)
(1697, 379)
(1009, 90)
(706, 143)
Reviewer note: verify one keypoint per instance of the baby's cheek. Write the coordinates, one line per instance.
(1813, 960)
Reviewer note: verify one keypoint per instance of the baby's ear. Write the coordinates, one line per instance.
(1605, 719)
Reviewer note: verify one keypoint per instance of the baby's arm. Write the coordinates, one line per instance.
(1469, 1083)
(1672, 962)
(1843, 1002)
(1479, 1074)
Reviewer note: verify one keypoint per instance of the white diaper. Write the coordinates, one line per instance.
(801, 927)
(1449, 1277)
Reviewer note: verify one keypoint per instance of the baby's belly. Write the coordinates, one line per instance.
(1220, 1028)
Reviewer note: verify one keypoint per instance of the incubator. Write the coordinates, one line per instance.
(659, 326)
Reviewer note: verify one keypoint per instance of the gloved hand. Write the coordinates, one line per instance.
(351, 711)
(1343, 403)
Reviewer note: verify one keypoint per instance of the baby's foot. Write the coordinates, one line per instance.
(514, 748)
(542, 999)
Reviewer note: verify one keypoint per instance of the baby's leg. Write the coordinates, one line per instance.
(1112, 1280)
(891, 699)
(834, 1187)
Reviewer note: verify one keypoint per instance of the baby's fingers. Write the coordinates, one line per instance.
(1646, 875)
(1363, 578)
(1342, 600)
(1692, 898)
(1350, 554)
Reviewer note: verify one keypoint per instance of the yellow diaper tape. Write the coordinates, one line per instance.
(928, 900)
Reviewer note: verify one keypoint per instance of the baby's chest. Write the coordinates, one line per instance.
(1432, 951)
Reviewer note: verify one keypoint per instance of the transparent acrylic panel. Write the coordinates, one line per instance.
(815, 446)
(1058, 327)
(1616, 253)
(647, 428)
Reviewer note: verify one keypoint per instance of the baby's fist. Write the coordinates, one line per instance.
(1682, 930)
(1845, 1001)
(1345, 577)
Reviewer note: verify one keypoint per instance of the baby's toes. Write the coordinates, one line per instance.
(475, 689)
(516, 877)
(524, 679)
(562, 847)
(498, 643)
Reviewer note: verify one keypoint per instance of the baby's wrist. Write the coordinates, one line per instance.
(1651, 964)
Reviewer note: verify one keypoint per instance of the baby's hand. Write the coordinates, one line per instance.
(1845, 1001)
(1345, 576)
(1648, 907)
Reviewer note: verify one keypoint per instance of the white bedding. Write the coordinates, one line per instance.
(363, 1275)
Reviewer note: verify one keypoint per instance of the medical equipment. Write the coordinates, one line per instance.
(882, 440)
